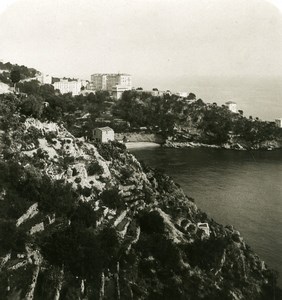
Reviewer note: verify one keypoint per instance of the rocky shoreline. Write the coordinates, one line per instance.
(140, 140)
(234, 146)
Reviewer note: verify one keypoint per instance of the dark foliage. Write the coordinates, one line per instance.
(94, 168)
(151, 222)
(112, 199)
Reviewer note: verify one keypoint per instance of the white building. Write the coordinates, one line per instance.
(106, 82)
(65, 86)
(232, 106)
(103, 134)
(155, 92)
(117, 91)
(278, 122)
(182, 94)
(205, 227)
(44, 79)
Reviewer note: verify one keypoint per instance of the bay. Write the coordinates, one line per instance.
(241, 188)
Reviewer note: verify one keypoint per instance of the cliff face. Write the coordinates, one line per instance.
(85, 221)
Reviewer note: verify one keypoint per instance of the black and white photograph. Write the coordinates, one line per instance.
(140, 149)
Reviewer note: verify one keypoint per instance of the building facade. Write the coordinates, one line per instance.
(106, 82)
(103, 134)
(232, 106)
(117, 91)
(44, 79)
(65, 86)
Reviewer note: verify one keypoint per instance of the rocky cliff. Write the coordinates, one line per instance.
(88, 221)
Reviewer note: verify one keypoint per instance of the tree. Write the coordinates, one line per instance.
(32, 106)
(191, 96)
(152, 222)
(15, 76)
(112, 199)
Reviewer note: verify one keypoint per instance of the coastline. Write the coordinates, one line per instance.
(227, 146)
(137, 145)
(143, 140)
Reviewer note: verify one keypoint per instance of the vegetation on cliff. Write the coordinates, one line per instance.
(84, 220)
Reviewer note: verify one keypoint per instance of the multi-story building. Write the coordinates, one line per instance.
(106, 82)
(99, 82)
(65, 86)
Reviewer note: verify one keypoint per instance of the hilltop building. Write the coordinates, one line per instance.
(278, 122)
(155, 92)
(44, 79)
(66, 86)
(103, 134)
(117, 91)
(182, 94)
(106, 82)
(232, 106)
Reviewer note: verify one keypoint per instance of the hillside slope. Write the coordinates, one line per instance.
(85, 221)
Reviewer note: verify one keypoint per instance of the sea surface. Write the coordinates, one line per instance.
(241, 188)
(256, 96)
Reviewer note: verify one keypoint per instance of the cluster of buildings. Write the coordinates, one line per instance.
(113, 83)
(116, 84)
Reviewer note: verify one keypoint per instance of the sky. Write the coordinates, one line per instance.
(157, 41)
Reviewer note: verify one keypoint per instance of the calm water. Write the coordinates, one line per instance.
(233, 187)
(259, 97)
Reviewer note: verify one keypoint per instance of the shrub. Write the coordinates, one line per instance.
(94, 168)
(84, 215)
(56, 197)
(77, 180)
(86, 192)
(151, 222)
(112, 199)
(205, 253)
(67, 160)
(11, 237)
(49, 136)
(41, 154)
(126, 173)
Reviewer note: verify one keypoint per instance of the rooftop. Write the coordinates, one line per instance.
(107, 128)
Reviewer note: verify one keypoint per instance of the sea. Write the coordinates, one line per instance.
(256, 96)
(241, 188)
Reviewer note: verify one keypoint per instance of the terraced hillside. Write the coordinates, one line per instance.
(88, 221)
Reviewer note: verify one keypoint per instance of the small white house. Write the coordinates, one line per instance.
(205, 227)
(232, 106)
(103, 134)
(182, 94)
(278, 122)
